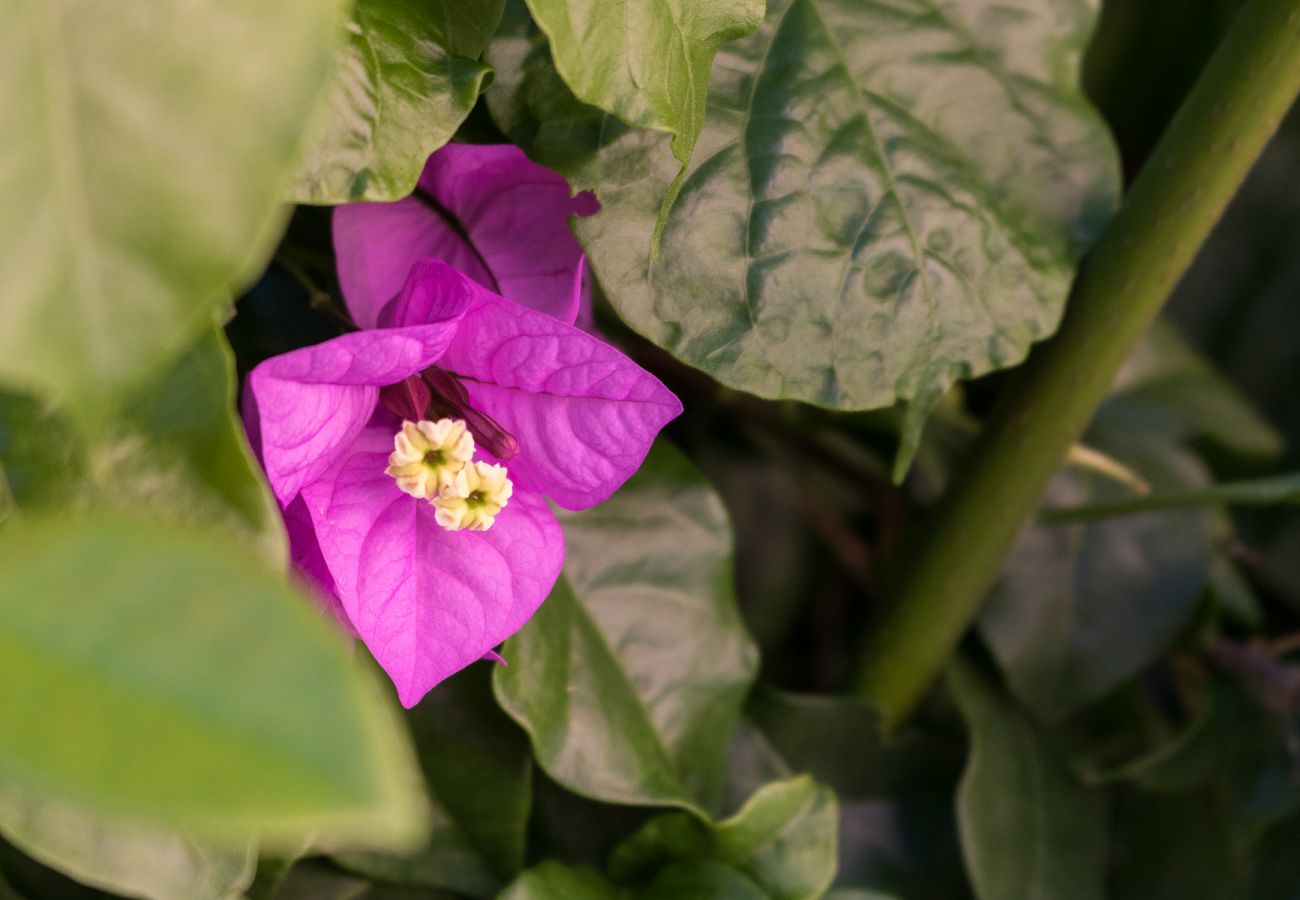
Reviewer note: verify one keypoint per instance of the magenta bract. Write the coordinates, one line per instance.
(577, 416)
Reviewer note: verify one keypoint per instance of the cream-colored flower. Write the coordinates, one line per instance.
(474, 497)
(427, 456)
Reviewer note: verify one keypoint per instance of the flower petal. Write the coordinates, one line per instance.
(487, 210)
(427, 601)
(584, 414)
(308, 562)
(303, 407)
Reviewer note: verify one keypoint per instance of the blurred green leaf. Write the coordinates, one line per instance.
(173, 448)
(146, 146)
(631, 677)
(884, 198)
(316, 881)
(1082, 607)
(551, 880)
(1167, 390)
(398, 96)
(783, 839)
(163, 676)
(478, 770)
(648, 64)
(122, 857)
(700, 880)
(1029, 829)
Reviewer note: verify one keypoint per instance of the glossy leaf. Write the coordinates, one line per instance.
(1081, 607)
(884, 197)
(783, 839)
(121, 857)
(147, 146)
(162, 676)
(630, 678)
(397, 97)
(647, 63)
(1028, 828)
(478, 771)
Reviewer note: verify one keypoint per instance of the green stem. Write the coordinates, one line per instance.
(1175, 201)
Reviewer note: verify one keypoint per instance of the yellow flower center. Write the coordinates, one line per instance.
(429, 455)
(474, 497)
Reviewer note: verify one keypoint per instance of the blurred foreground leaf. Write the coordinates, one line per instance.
(398, 96)
(161, 676)
(630, 678)
(145, 147)
(121, 857)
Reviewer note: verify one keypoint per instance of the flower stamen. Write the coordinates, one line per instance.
(427, 456)
(474, 498)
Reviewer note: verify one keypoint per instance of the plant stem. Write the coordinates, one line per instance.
(1219, 131)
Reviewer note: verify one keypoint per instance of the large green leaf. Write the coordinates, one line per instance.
(398, 96)
(172, 448)
(630, 678)
(163, 676)
(464, 28)
(478, 771)
(646, 62)
(1081, 607)
(145, 147)
(783, 839)
(122, 857)
(885, 197)
(1029, 829)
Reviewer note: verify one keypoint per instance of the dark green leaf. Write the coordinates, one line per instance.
(646, 63)
(122, 857)
(884, 198)
(1028, 828)
(700, 880)
(552, 880)
(398, 97)
(463, 28)
(146, 147)
(783, 839)
(478, 770)
(1082, 607)
(631, 676)
(314, 881)
(1174, 847)
(164, 676)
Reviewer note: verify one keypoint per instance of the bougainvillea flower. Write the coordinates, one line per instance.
(489, 212)
(504, 406)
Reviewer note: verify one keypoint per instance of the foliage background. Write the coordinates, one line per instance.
(676, 721)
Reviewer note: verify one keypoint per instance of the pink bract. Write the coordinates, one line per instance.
(427, 601)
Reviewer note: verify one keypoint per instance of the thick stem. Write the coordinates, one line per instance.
(1175, 201)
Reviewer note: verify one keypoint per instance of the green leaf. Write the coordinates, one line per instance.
(163, 676)
(647, 63)
(630, 678)
(172, 448)
(121, 857)
(1028, 828)
(553, 879)
(463, 28)
(314, 881)
(398, 96)
(700, 880)
(783, 839)
(885, 197)
(1168, 389)
(1082, 607)
(146, 148)
(478, 770)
